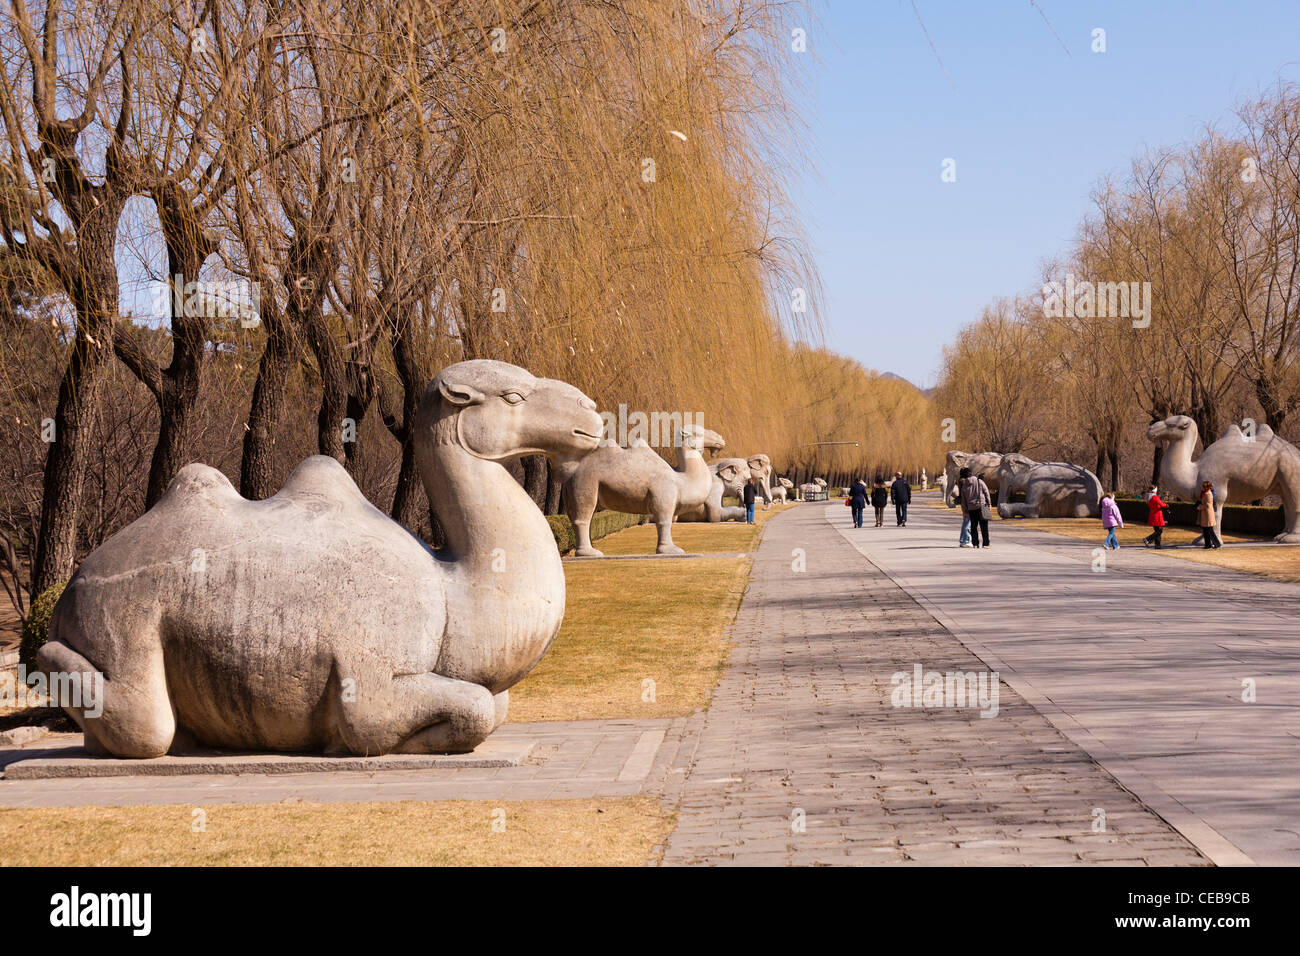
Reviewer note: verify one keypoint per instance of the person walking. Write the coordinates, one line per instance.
(1205, 517)
(1155, 518)
(901, 493)
(858, 501)
(751, 491)
(963, 538)
(879, 498)
(1110, 520)
(978, 505)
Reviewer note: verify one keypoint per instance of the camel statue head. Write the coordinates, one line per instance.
(1172, 429)
(698, 438)
(497, 412)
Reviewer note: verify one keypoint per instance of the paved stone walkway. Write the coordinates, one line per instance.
(802, 759)
(1141, 664)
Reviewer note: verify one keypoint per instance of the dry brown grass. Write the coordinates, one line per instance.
(1090, 529)
(1280, 563)
(616, 832)
(631, 621)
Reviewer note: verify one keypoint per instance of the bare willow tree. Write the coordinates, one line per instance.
(1255, 186)
(994, 377)
(71, 177)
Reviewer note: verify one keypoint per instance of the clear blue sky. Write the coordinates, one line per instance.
(907, 259)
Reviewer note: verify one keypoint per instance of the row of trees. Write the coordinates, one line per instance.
(245, 232)
(1213, 231)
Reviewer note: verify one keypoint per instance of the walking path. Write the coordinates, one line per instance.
(1143, 664)
(802, 758)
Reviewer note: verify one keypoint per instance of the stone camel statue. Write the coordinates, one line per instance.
(1240, 469)
(1053, 489)
(782, 490)
(311, 621)
(985, 464)
(637, 481)
(729, 477)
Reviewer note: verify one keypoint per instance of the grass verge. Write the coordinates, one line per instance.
(732, 537)
(628, 622)
(604, 832)
(1278, 563)
(1090, 529)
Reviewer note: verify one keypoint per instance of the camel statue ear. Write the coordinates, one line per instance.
(455, 394)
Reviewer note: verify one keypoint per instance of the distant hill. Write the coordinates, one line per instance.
(927, 392)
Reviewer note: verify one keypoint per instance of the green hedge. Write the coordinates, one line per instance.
(602, 523)
(1238, 519)
(36, 629)
(562, 529)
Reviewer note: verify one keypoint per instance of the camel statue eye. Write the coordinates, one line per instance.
(513, 398)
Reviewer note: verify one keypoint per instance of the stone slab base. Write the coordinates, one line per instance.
(77, 763)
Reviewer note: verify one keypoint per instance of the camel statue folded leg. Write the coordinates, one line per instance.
(1239, 467)
(311, 621)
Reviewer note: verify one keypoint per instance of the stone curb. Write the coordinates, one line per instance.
(488, 755)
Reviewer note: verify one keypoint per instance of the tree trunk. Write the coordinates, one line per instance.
(361, 393)
(554, 490)
(535, 479)
(335, 393)
(76, 419)
(187, 249)
(75, 423)
(1274, 411)
(257, 478)
(406, 504)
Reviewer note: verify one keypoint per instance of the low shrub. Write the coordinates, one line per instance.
(1237, 519)
(36, 629)
(602, 523)
(607, 522)
(562, 528)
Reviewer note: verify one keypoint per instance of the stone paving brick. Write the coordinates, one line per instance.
(803, 720)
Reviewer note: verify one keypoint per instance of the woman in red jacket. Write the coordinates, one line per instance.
(1155, 518)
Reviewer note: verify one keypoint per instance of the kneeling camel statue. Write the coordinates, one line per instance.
(311, 621)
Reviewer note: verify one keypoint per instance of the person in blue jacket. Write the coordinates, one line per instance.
(858, 501)
(901, 493)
